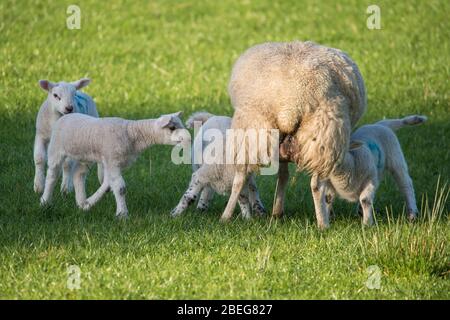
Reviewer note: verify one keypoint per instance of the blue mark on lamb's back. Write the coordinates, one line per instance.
(376, 151)
(82, 102)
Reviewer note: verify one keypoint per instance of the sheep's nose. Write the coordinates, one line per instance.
(69, 108)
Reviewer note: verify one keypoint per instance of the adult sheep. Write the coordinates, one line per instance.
(300, 88)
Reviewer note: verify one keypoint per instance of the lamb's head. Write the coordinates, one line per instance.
(61, 95)
(288, 149)
(171, 130)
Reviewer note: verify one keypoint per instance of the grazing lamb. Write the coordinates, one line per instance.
(373, 149)
(303, 89)
(113, 142)
(208, 178)
(63, 98)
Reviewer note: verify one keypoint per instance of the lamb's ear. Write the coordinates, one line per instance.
(83, 82)
(355, 144)
(164, 121)
(46, 85)
(178, 114)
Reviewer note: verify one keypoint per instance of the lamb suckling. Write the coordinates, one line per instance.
(373, 150)
(62, 98)
(113, 142)
(215, 177)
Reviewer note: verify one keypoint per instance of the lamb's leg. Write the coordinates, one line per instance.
(280, 191)
(205, 198)
(189, 197)
(318, 189)
(255, 201)
(329, 199)
(114, 176)
(239, 181)
(405, 185)
(93, 199)
(67, 183)
(366, 201)
(40, 155)
(53, 171)
(244, 203)
(79, 183)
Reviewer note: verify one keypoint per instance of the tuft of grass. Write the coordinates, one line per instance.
(419, 247)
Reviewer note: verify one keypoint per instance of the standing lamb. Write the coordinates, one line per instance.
(216, 176)
(373, 150)
(303, 89)
(62, 98)
(113, 142)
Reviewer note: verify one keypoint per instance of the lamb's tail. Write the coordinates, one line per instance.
(396, 124)
(200, 116)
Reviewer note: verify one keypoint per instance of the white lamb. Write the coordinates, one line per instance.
(373, 150)
(113, 142)
(208, 178)
(62, 98)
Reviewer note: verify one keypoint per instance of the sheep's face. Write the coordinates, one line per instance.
(172, 130)
(61, 95)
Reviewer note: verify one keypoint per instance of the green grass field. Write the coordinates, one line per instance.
(153, 57)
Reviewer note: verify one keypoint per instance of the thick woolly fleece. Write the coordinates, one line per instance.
(311, 91)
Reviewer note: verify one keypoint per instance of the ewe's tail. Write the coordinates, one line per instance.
(323, 138)
(200, 116)
(396, 124)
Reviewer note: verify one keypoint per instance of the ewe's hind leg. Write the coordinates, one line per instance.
(255, 202)
(189, 197)
(318, 189)
(40, 156)
(405, 184)
(67, 183)
(283, 178)
(205, 198)
(366, 201)
(53, 171)
(79, 183)
(114, 176)
(239, 181)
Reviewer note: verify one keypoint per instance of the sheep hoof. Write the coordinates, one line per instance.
(44, 202)
(259, 210)
(202, 209)
(225, 219)
(323, 226)
(122, 216)
(38, 188)
(85, 205)
(412, 216)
